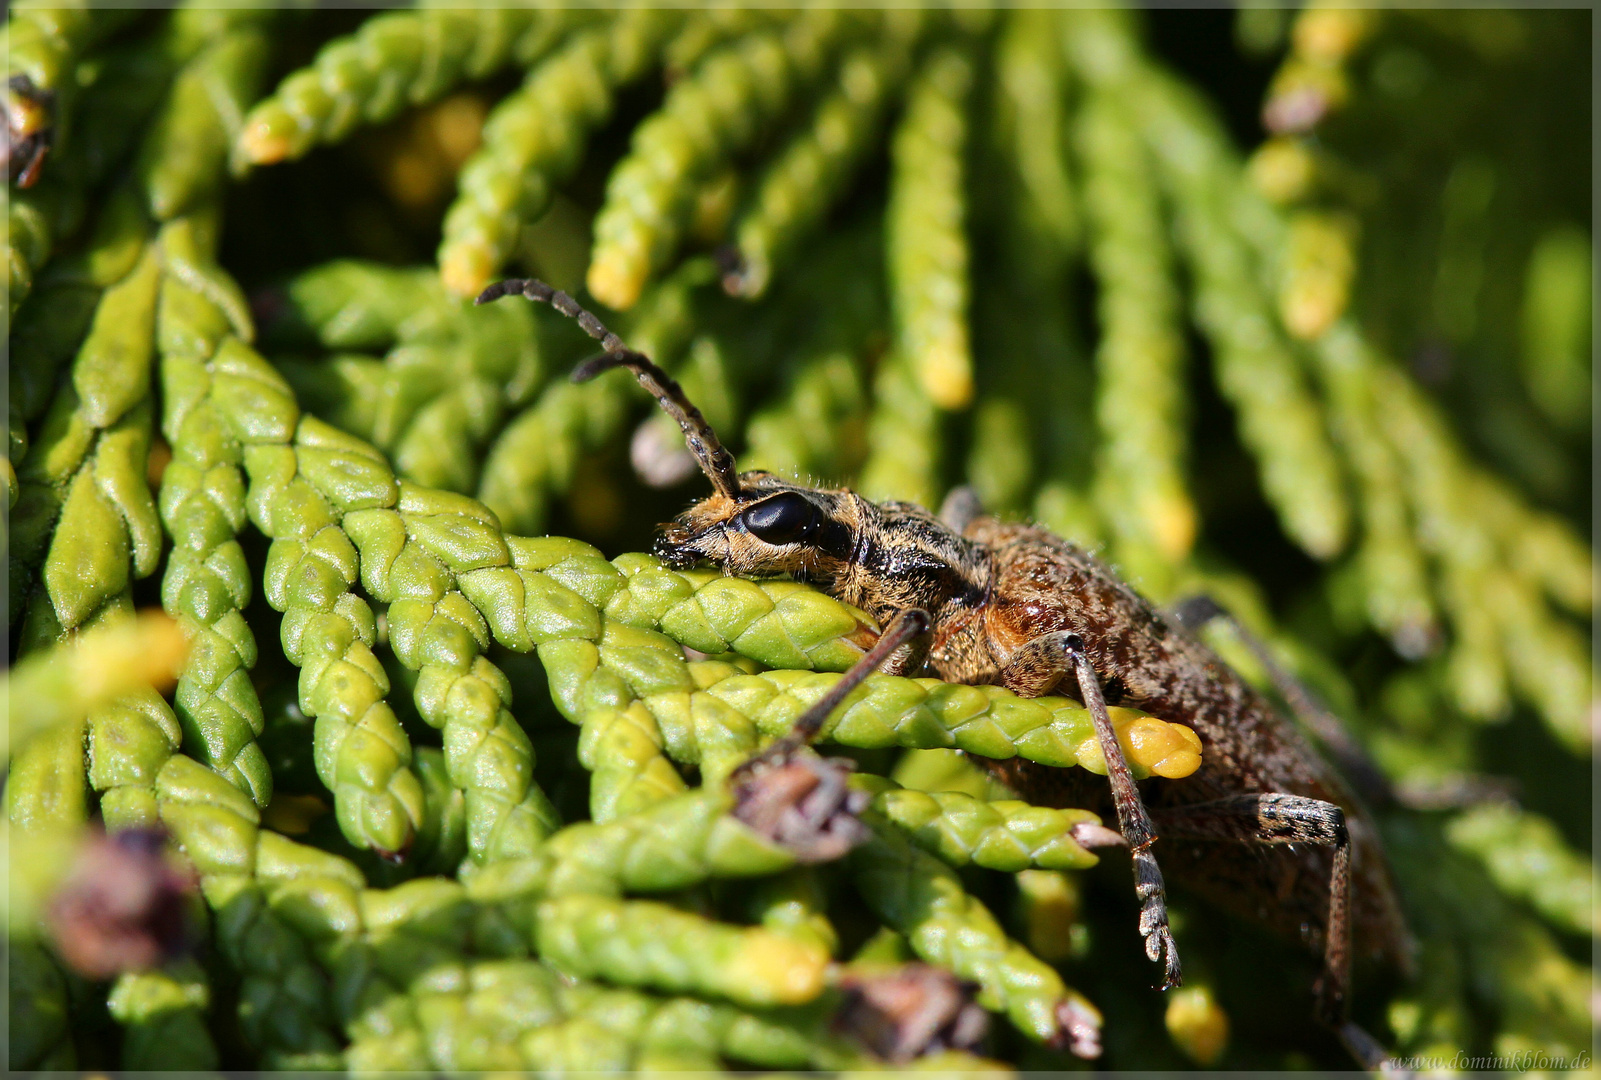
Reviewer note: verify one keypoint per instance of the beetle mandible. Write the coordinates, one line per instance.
(1268, 828)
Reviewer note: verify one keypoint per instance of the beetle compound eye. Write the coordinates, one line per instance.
(782, 519)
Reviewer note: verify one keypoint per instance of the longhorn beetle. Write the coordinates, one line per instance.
(1264, 827)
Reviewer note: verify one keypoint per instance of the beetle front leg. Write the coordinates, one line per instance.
(1033, 671)
(801, 801)
(901, 647)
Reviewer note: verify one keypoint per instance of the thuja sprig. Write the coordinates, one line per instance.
(517, 1014)
(1511, 962)
(308, 917)
(533, 141)
(1529, 859)
(1394, 572)
(207, 581)
(798, 187)
(1034, 440)
(1431, 474)
(927, 250)
(397, 59)
(443, 387)
(181, 164)
(642, 943)
(362, 751)
(94, 469)
(46, 784)
(1140, 357)
(305, 479)
(408, 556)
(1280, 422)
(285, 997)
(1034, 87)
(1541, 652)
(85, 518)
(923, 899)
(1003, 834)
(709, 117)
(644, 1031)
(335, 511)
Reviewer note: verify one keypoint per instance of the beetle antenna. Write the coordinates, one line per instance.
(715, 460)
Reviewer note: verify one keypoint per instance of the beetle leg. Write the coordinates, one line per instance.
(1196, 611)
(902, 636)
(1276, 818)
(799, 800)
(1033, 671)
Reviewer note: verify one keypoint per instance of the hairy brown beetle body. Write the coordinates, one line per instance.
(1264, 827)
(994, 588)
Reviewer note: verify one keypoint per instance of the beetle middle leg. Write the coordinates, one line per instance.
(1277, 818)
(1034, 670)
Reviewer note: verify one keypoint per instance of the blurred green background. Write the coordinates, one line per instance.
(1291, 306)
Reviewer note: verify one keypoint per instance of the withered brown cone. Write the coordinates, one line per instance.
(910, 1011)
(122, 907)
(802, 802)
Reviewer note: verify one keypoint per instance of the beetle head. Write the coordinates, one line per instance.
(772, 527)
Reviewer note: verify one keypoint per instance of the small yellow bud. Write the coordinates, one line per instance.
(946, 371)
(1283, 170)
(106, 663)
(1197, 1024)
(1172, 518)
(1329, 35)
(780, 970)
(1170, 750)
(464, 269)
(262, 145)
(617, 276)
(1150, 746)
(1321, 265)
